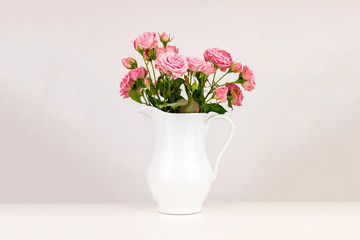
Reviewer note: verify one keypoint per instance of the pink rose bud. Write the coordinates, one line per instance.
(146, 81)
(236, 94)
(137, 73)
(164, 38)
(236, 68)
(247, 74)
(129, 63)
(221, 94)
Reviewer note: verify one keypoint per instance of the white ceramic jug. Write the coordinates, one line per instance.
(180, 175)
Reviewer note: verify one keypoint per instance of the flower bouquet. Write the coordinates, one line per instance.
(180, 176)
(175, 83)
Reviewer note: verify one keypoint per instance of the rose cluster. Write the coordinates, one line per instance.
(129, 80)
(177, 73)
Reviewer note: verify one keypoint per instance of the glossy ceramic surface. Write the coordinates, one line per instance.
(180, 176)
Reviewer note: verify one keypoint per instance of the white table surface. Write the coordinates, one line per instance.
(290, 221)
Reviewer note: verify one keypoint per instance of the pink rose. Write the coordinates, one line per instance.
(236, 94)
(169, 48)
(209, 68)
(164, 37)
(196, 64)
(248, 75)
(136, 73)
(146, 81)
(125, 86)
(219, 57)
(146, 40)
(129, 63)
(221, 94)
(172, 63)
(236, 68)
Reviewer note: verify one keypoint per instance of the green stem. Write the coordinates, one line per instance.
(214, 78)
(147, 67)
(157, 94)
(143, 95)
(205, 102)
(222, 77)
(227, 83)
(168, 91)
(213, 85)
(152, 83)
(187, 92)
(152, 65)
(190, 84)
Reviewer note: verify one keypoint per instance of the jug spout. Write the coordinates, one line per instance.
(150, 112)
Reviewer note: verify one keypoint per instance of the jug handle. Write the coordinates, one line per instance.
(207, 124)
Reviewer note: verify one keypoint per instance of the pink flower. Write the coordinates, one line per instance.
(172, 63)
(236, 68)
(164, 37)
(196, 64)
(169, 48)
(146, 40)
(221, 93)
(236, 94)
(199, 65)
(129, 63)
(248, 75)
(209, 68)
(146, 81)
(136, 73)
(125, 86)
(219, 57)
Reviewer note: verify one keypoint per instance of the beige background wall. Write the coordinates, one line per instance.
(67, 136)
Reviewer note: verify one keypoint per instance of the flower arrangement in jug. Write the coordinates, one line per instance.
(176, 83)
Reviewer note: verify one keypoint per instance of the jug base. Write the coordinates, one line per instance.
(186, 211)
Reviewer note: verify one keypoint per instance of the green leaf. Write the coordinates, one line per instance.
(218, 109)
(163, 89)
(207, 107)
(197, 75)
(139, 83)
(159, 80)
(194, 86)
(196, 94)
(152, 54)
(229, 99)
(214, 107)
(240, 80)
(151, 99)
(180, 102)
(190, 107)
(229, 103)
(134, 65)
(135, 95)
(177, 83)
(177, 94)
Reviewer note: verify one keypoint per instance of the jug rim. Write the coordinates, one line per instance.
(183, 114)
